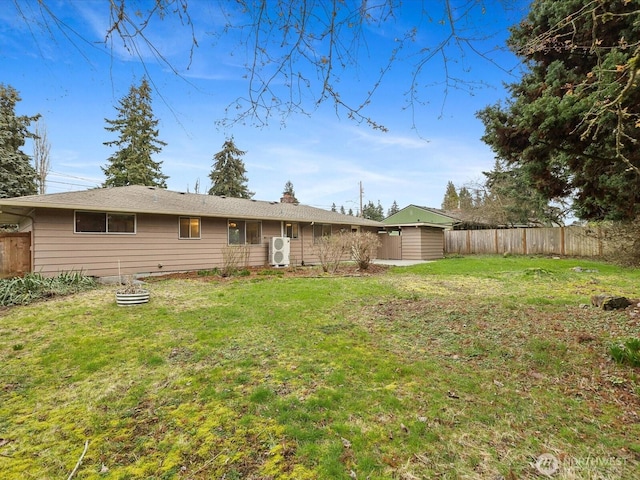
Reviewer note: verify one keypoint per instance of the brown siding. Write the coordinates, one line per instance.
(411, 249)
(154, 248)
(432, 240)
(422, 243)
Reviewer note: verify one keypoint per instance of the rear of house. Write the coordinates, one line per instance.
(147, 230)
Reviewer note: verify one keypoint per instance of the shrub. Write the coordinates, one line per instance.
(330, 250)
(364, 246)
(627, 353)
(234, 257)
(209, 273)
(32, 286)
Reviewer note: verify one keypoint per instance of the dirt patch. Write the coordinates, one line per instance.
(346, 270)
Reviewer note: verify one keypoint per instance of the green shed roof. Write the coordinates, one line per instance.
(416, 215)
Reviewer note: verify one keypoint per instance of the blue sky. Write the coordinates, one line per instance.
(74, 81)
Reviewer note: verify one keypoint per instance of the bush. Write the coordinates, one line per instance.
(234, 257)
(627, 353)
(32, 286)
(330, 250)
(364, 246)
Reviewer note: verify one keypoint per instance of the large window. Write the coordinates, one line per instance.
(321, 230)
(292, 230)
(103, 222)
(245, 232)
(189, 227)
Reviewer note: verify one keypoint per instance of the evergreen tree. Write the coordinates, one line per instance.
(572, 123)
(17, 176)
(228, 176)
(393, 209)
(342, 211)
(451, 199)
(132, 163)
(465, 199)
(289, 193)
(333, 207)
(373, 212)
(513, 200)
(350, 212)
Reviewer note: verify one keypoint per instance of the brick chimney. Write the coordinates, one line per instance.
(287, 198)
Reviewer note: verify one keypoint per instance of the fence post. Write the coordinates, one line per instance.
(524, 241)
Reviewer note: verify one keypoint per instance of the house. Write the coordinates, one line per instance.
(149, 230)
(415, 233)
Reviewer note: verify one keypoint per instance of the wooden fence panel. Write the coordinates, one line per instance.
(390, 247)
(583, 242)
(455, 241)
(15, 254)
(510, 241)
(572, 241)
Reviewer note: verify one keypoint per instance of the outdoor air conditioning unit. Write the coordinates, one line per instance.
(279, 248)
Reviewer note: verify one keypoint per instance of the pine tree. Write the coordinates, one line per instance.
(465, 199)
(17, 176)
(373, 212)
(342, 211)
(228, 176)
(334, 208)
(570, 124)
(132, 164)
(451, 199)
(393, 209)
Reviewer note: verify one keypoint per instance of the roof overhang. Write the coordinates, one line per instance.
(418, 224)
(13, 215)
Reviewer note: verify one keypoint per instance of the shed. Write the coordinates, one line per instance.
(415, 233)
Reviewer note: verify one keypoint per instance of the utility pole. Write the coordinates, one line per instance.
(361, 193)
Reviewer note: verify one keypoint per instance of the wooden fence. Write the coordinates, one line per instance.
(571, 241)
(15, 254)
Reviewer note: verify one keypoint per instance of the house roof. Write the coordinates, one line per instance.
(154, 200)
(415, 215)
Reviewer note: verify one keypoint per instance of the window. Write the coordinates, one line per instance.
(321, 230)
(245, 233)
(253, 233)
(291, 230)
(189, 227)
(102, 222)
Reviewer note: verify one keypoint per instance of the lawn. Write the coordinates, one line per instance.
(477, 367)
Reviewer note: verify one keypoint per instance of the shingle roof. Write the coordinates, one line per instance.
(141, 199)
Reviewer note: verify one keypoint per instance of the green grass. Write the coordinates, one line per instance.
(461, 368)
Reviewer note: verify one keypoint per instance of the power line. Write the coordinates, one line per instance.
(66, 175)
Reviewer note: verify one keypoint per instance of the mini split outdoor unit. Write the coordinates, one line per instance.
(279, 248)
